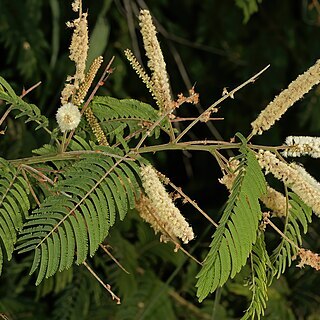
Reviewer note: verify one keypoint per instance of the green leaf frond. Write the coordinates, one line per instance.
(237, 230)
(149, 301)
(78, 216)
(14, 206)
(258, 284)
(56, 284)
(126, 117)
(31, 111)
(74, 301)
(299, 216)
(24, 40)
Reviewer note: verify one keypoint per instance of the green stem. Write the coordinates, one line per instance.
(187, 146)
(73, 155)
(63, 147)
(70, 155)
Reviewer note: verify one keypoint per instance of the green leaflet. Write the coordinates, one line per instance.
(14, 206)
(77, 296)
(248, 7)
(69, 225)
(121, 118)
(298, 218)
(55, 284)
(237, 231)
(31, 111)
(258, 284)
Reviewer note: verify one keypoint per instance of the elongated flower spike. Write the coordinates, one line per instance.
(78, 52)
(156, 61)
(294, 177)
(281, 103)
(158, 209)
(301, 146)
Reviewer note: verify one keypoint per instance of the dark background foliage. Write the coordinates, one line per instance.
(212, 44)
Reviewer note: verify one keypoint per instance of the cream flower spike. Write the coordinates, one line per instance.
(76, 5)
(281, 103)
(156, 63)
(301, 146)
(68, 117)
(293, 176)
(159, 210)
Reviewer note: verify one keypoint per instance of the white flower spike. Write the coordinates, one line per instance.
(302, 146)
(68, 117)
(158, 209)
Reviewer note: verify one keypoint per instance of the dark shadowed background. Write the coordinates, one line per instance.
(213, 45)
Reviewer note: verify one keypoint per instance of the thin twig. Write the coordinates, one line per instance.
(106, 286)
(128, 137)
(106, 73)
(30, 187)
(214, 105)
(205, 145)
(147, 134)
(113, 258)
(183, 72)
(38, 175)
(191, 119)
(37, 172)
(189, 306)
(25, 92)
(188, 199)
(209, 142)
(6, 114)
(221, 160)
(268, 221)
(188, 254)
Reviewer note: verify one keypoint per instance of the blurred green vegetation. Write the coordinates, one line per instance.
(212, 44)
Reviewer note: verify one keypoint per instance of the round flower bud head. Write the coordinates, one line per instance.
(68, 117)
